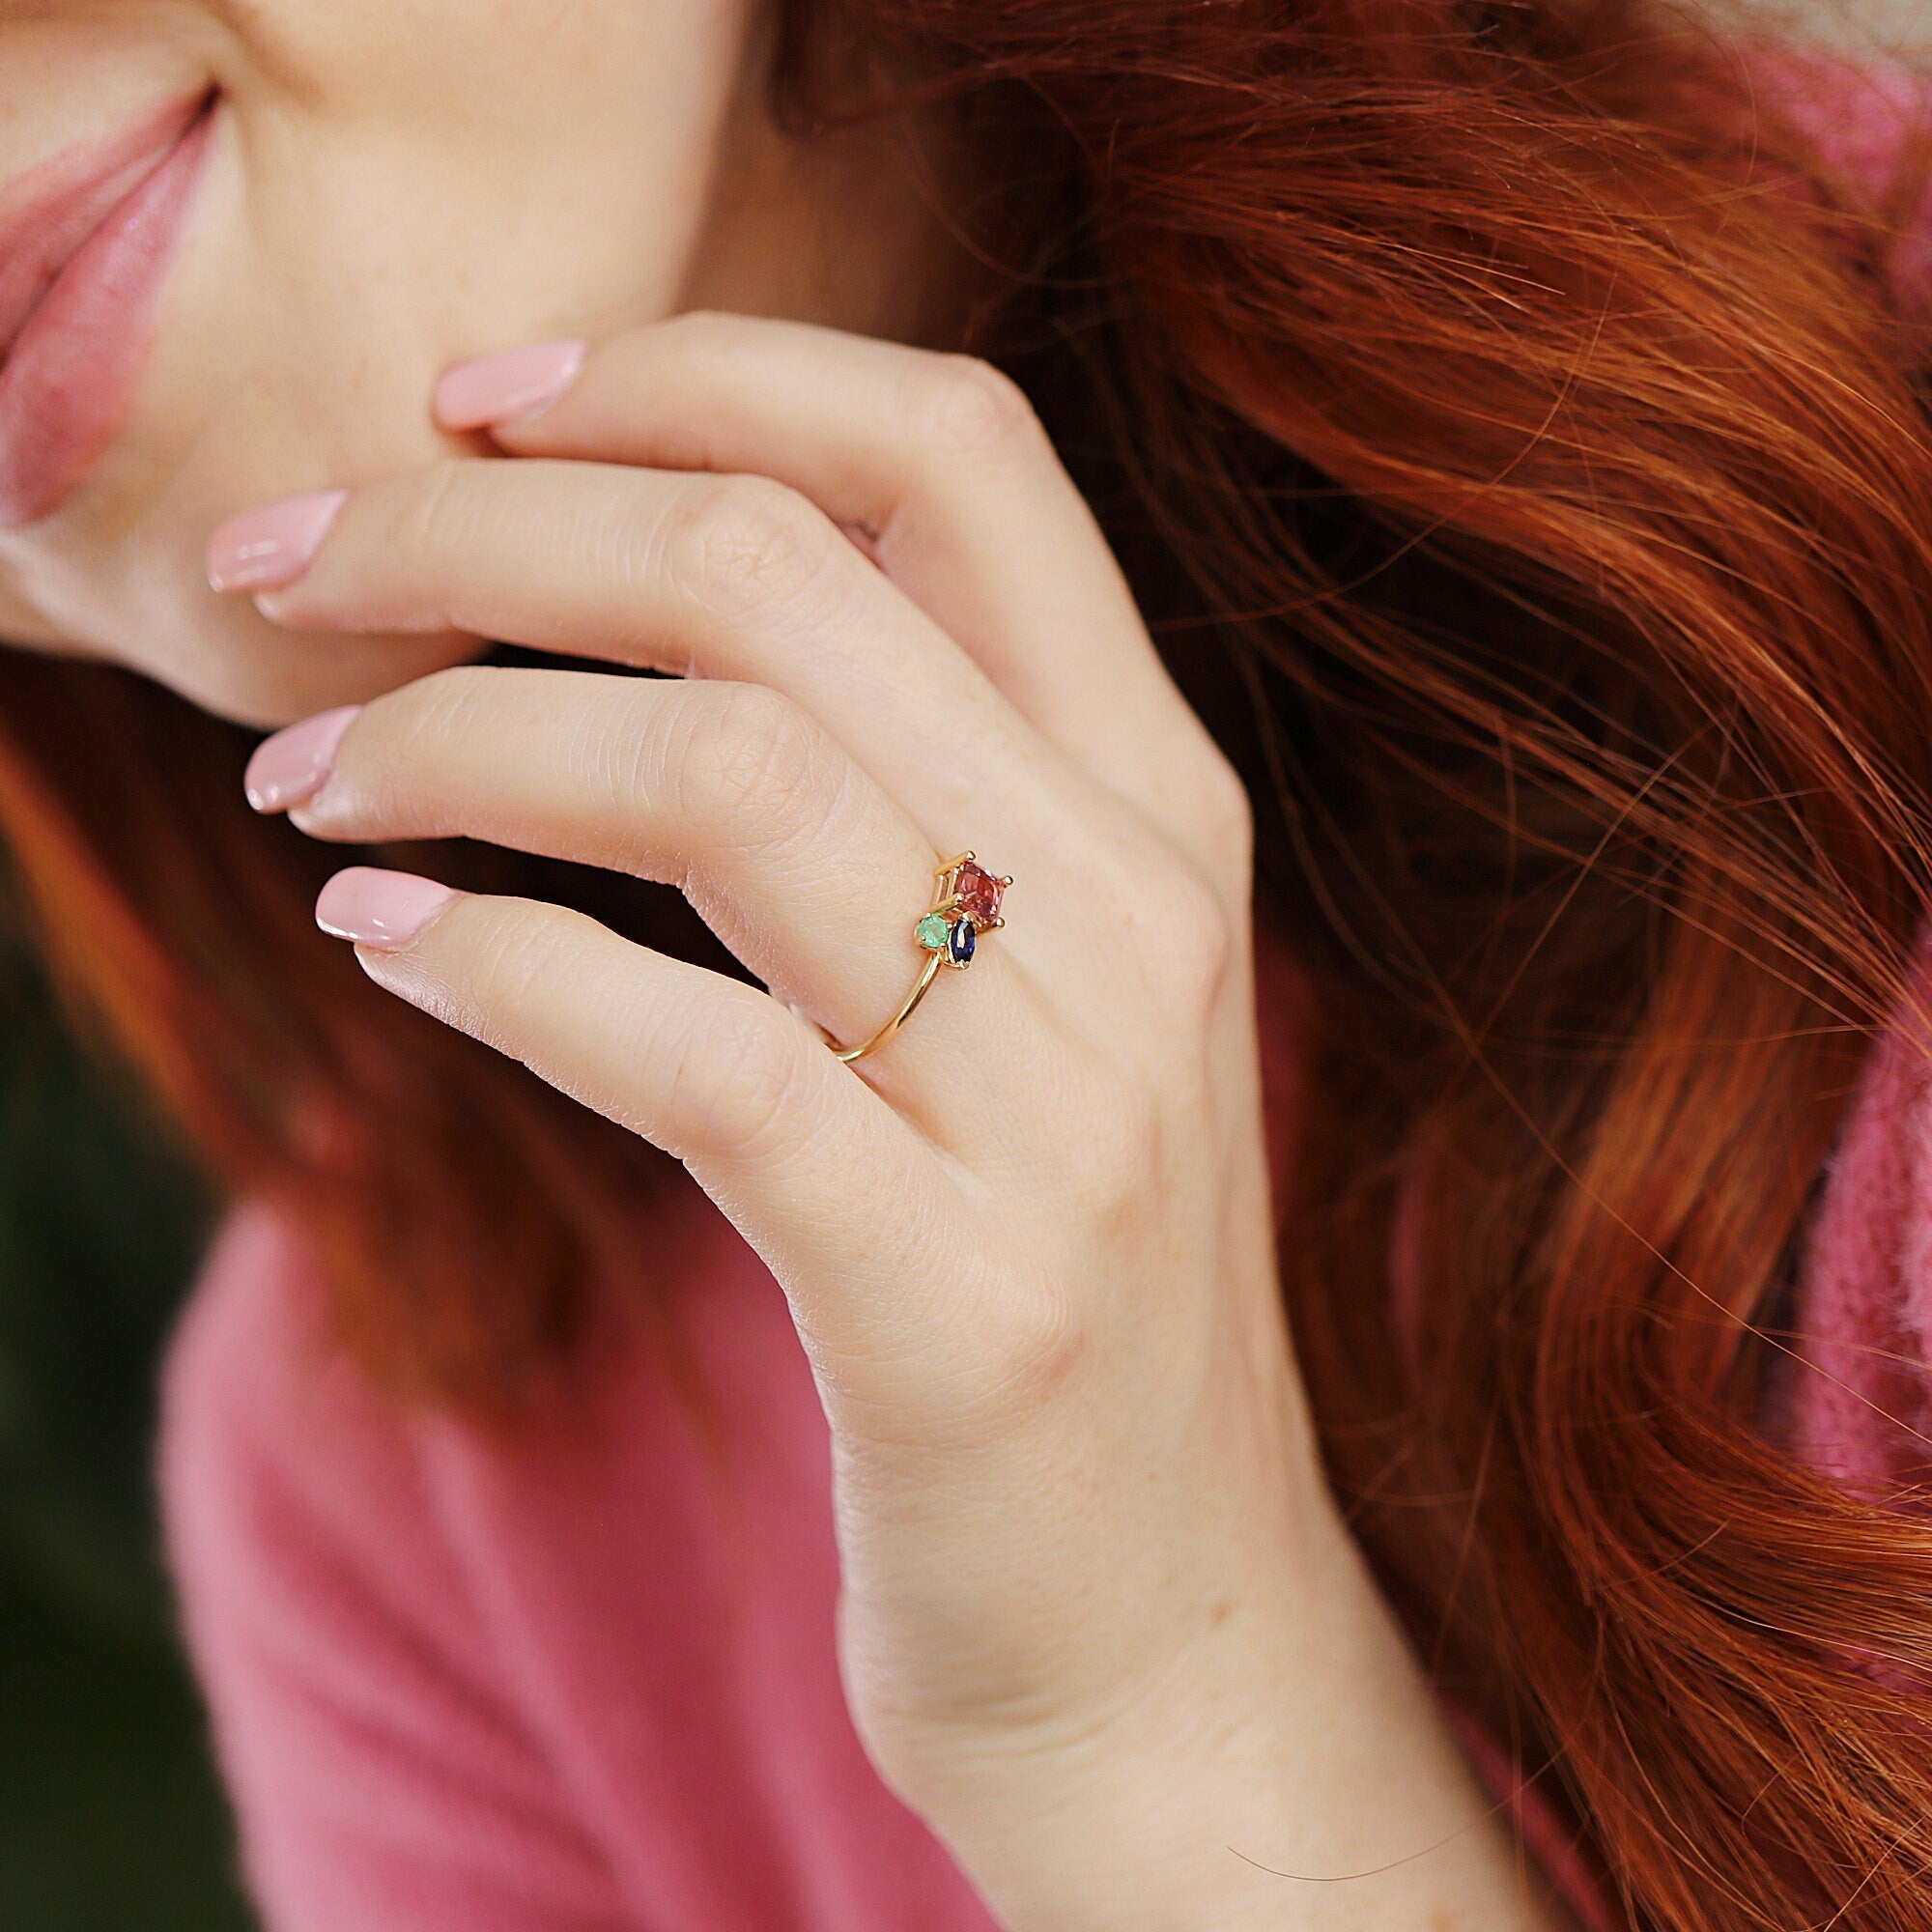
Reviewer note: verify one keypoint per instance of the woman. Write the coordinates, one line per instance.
(1266, 1280)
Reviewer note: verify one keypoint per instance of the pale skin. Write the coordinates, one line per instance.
(1101, 1623)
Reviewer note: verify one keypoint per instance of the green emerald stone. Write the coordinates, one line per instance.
(932, 930)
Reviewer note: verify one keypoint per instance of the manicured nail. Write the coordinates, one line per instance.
(506, 389)
(262, 550)
(290, 768)
(386, 910)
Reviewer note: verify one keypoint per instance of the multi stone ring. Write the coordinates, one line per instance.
(966, 904)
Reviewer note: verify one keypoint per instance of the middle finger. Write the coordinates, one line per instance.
(729, 577)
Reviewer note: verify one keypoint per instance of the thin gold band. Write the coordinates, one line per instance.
(926, 979)
(945, 901)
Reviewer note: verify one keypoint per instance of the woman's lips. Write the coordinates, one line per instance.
(81, 272)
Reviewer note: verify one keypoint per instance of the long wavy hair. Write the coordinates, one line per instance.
(1509, 416)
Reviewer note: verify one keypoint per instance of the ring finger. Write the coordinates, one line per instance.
(799, 862)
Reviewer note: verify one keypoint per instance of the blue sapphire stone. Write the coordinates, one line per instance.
(959, 942)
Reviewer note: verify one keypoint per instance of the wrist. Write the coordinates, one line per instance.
(1294, 1774)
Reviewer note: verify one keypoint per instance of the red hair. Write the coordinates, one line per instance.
(1512, 428)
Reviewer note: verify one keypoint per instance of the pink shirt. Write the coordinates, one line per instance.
(456, 1690)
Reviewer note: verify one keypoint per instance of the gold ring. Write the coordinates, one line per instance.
(966, 904)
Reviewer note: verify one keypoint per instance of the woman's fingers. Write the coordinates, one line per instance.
(809, 872)
(797, 1153)
(939, 458)
(726, 578)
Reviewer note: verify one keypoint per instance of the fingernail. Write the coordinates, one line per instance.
(386, 910)
(262, 550)
(290, 768)
(497, 389)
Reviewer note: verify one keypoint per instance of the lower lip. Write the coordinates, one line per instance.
(69, 380)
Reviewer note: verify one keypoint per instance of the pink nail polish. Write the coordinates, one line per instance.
(262, 550)
(506, 389)
(290, 768)
(386, 910)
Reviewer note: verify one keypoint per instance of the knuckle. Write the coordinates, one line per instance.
(1225, 813)
(1122, 1152)
(752, 766)
(618, 755)
(1192, 926)
(1198, 946)
(391, 765)
(436, 512)
(973, 410)
(733, 1077)
(443, 703)
(515, 964)
(748, 547)
(707, 328)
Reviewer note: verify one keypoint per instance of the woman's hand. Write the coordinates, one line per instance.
(1099, 1624)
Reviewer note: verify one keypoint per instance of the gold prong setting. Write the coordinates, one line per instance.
(967, 904)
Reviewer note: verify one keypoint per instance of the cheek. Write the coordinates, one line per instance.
(398, 184)
(281, 396)
(513, 129)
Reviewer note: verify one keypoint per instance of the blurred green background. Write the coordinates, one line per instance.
(110, 1820)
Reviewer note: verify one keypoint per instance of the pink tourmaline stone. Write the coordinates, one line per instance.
(978, 893)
